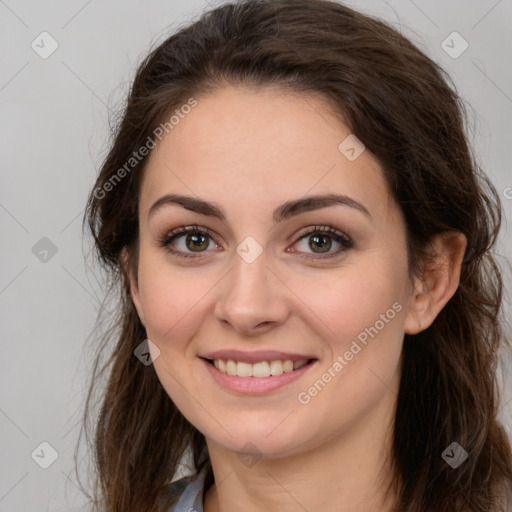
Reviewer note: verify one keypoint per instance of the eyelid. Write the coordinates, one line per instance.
(321, 229)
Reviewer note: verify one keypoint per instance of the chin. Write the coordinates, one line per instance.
(257, 442)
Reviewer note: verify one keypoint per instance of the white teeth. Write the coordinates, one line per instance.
(288, 366)
(260, 370)
(276, 368)
(300, 364)
(231, 367)
(244, 369)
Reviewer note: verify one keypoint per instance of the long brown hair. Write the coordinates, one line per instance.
(406, 111)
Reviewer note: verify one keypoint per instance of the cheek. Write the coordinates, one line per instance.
(364, 341)
(346, 303)
(362, 317)
(171, 297)
(171, 300)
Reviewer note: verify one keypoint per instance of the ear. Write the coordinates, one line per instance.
(132, 283)
(440, 280)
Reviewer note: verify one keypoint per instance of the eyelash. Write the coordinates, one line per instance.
(339, 237)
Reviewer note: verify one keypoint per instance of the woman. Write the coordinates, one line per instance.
(308, 298)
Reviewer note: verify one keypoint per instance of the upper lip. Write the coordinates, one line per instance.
(257, 356)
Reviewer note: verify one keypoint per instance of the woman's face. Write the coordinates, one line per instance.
(276, 277)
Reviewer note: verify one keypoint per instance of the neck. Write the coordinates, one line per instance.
(350, 473)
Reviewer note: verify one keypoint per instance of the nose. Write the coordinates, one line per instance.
(251, 298)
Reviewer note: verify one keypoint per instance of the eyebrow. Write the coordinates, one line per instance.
(283, 212)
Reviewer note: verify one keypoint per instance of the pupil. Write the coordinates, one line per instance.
(317, 242)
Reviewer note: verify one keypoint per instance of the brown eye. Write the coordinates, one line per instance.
(320, 241)
(186, 240)
(196, 242)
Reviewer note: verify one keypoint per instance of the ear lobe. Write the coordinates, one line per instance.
(132, 283)
(439, 282)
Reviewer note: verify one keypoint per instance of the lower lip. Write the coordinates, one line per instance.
(256, 385)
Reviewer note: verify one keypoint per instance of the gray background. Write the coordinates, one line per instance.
(54, 134)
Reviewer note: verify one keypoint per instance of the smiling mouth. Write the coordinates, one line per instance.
(261, 370)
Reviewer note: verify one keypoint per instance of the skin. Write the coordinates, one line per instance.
(249, 151)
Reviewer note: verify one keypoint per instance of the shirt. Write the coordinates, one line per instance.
(191, 492)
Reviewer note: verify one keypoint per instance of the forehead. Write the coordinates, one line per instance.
(260, 147)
